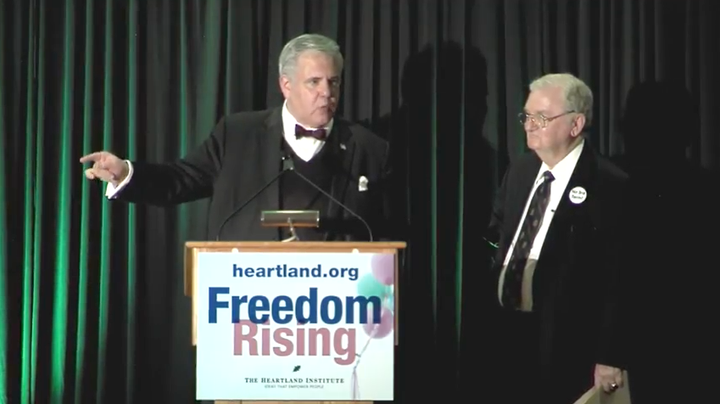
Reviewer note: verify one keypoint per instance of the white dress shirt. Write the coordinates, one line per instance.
(562, 173)
(305, 148)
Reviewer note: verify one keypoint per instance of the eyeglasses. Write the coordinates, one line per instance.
(539, 120)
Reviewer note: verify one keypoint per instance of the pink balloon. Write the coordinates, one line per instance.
(383, 268)
(381, 329)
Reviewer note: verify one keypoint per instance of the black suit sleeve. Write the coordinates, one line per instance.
(185, 180)
(612, 349)
(498, 211)
(497, 217)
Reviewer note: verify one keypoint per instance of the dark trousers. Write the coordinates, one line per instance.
(526, 374)
(515, 356)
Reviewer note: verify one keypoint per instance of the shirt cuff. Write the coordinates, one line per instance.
(112, 191)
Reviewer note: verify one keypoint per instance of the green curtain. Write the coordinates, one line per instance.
(91, 295)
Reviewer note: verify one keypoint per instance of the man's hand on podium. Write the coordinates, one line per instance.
(106, 167)
(608, 377)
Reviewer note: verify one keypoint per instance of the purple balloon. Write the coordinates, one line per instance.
(383, 268)
(381, 329)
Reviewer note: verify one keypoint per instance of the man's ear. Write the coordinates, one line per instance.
(285, 85)
(578, 125)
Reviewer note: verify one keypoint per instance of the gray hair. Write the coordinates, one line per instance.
(577, 95)
(304, 43)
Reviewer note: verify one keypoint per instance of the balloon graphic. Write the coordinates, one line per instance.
(368, 287)
(383, 268)
(382, 329)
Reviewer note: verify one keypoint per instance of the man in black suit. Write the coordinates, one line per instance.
(558, 223)
(246, 150)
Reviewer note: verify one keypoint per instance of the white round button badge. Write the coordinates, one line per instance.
(578, 195)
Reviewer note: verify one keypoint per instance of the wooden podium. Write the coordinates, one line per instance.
(193, 248)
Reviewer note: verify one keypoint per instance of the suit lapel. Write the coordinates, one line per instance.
(582, 177)
(520, 193)
(343, 153)
(568, 214)
(270, 145)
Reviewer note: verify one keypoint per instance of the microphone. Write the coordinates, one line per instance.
(289, 165)
(286, 167)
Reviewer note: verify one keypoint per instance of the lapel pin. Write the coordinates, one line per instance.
(342, 146)
(578, 195)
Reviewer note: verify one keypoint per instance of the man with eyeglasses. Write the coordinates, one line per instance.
(558, 218)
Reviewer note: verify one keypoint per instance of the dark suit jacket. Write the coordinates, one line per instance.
(577, 278)
(243, 153)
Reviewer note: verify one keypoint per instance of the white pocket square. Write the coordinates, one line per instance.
(363, 184)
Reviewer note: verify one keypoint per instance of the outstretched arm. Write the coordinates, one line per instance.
(187, 179)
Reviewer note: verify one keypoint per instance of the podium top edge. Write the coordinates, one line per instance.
(297, 245)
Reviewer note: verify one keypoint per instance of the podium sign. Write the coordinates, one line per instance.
(295, 325)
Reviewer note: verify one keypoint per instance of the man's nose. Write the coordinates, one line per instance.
(530, 125)
(324, 88)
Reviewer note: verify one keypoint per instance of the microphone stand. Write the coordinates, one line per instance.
(293, 234)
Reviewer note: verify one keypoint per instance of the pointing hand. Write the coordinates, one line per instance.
(106, 167)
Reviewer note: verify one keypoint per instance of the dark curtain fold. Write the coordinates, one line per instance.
(91, 292)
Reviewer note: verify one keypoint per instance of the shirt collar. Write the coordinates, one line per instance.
(289, 123)
(566, 166)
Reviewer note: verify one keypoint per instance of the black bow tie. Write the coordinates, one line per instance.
(319, 134)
